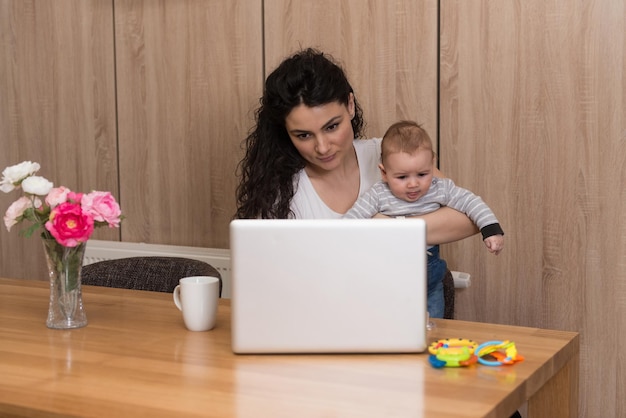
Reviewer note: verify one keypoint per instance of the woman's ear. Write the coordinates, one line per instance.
(351, 110)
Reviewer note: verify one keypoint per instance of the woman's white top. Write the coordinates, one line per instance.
(306, 203)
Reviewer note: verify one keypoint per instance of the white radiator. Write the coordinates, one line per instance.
(107, 250)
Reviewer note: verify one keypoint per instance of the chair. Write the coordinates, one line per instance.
(448, 295)
(160, 274)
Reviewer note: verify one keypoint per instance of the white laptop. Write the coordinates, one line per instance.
(328, 286)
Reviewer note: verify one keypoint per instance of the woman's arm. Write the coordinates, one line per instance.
(444, 225)
(447, 225)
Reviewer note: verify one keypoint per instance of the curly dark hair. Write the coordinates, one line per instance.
(266, 172)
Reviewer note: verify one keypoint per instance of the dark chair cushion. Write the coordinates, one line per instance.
(448, 295)
(160, 274)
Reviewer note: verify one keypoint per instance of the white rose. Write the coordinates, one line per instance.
(37, 185)
(11, 176)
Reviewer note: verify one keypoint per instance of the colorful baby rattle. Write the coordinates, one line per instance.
(503, 353)
(452, 352)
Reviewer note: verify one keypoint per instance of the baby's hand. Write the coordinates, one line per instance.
(495, 243)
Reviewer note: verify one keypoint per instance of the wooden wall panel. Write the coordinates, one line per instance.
(189, 74)
(57, 106)
(388, 49)
(533, 118)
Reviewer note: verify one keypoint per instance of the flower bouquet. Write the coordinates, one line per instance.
(66, 220)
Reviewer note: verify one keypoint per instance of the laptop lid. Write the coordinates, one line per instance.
(328, 286)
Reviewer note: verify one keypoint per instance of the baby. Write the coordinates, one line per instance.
(408, 188)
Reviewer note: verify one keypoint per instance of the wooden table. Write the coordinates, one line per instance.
(135, 358)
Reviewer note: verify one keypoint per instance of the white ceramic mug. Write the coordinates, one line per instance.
(197, 298)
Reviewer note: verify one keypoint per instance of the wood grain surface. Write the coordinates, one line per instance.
(135, 358)
(188, 75)
(534, 120)
(57, 106)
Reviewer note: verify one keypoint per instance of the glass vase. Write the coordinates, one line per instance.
(64, 268)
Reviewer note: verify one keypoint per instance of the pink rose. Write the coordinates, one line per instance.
(69, 225)
(16, 211)
(74, 197)
(102, 207)
(57, 196)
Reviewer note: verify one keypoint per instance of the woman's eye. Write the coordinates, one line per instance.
(332, 127)
(303, 136)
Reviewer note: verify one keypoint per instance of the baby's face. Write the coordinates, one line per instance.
(408, 175)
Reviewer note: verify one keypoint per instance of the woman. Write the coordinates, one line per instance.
(302, 159)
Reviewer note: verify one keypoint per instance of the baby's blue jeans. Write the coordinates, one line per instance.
(437, 268)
